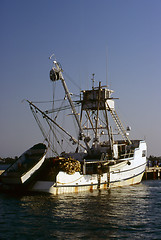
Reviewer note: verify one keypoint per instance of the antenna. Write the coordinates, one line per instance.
(93, 80)
(106, 66)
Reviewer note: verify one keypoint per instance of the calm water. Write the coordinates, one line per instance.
(124, 213)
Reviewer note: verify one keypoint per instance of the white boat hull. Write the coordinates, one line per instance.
(49, 187)
(128, 172)
(26, 176)
(26, 165)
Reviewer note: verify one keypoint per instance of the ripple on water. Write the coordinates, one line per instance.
(129, 212)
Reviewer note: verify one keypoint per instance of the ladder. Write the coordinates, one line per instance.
(119, 125)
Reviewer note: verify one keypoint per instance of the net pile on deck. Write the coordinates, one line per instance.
(69, 165)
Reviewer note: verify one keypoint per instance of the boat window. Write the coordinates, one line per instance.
(144, 153)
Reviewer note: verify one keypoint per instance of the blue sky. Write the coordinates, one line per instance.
(82, 34)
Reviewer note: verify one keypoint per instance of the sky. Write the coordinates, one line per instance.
(118, 40)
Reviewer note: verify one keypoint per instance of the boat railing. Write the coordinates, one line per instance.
(127, 155)
(96, 161)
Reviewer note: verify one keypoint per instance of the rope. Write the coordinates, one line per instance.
(71, 182)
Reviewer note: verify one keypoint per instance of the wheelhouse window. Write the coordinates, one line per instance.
(144, 153)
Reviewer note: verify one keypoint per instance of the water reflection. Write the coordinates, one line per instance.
(94, 214)
(122, 212)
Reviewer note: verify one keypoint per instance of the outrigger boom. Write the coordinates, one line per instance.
(46, 116)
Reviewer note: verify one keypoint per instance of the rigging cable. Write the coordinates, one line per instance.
(71, 80)
(42, 129)
(61, 108)
(51, 128)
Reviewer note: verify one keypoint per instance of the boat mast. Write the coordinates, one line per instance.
(98, 106)
(95, 101)
(56, 74)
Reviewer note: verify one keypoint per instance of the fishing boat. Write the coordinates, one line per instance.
(102, 156)
(25, 166)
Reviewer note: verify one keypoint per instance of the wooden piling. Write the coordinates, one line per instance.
(152, 173)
